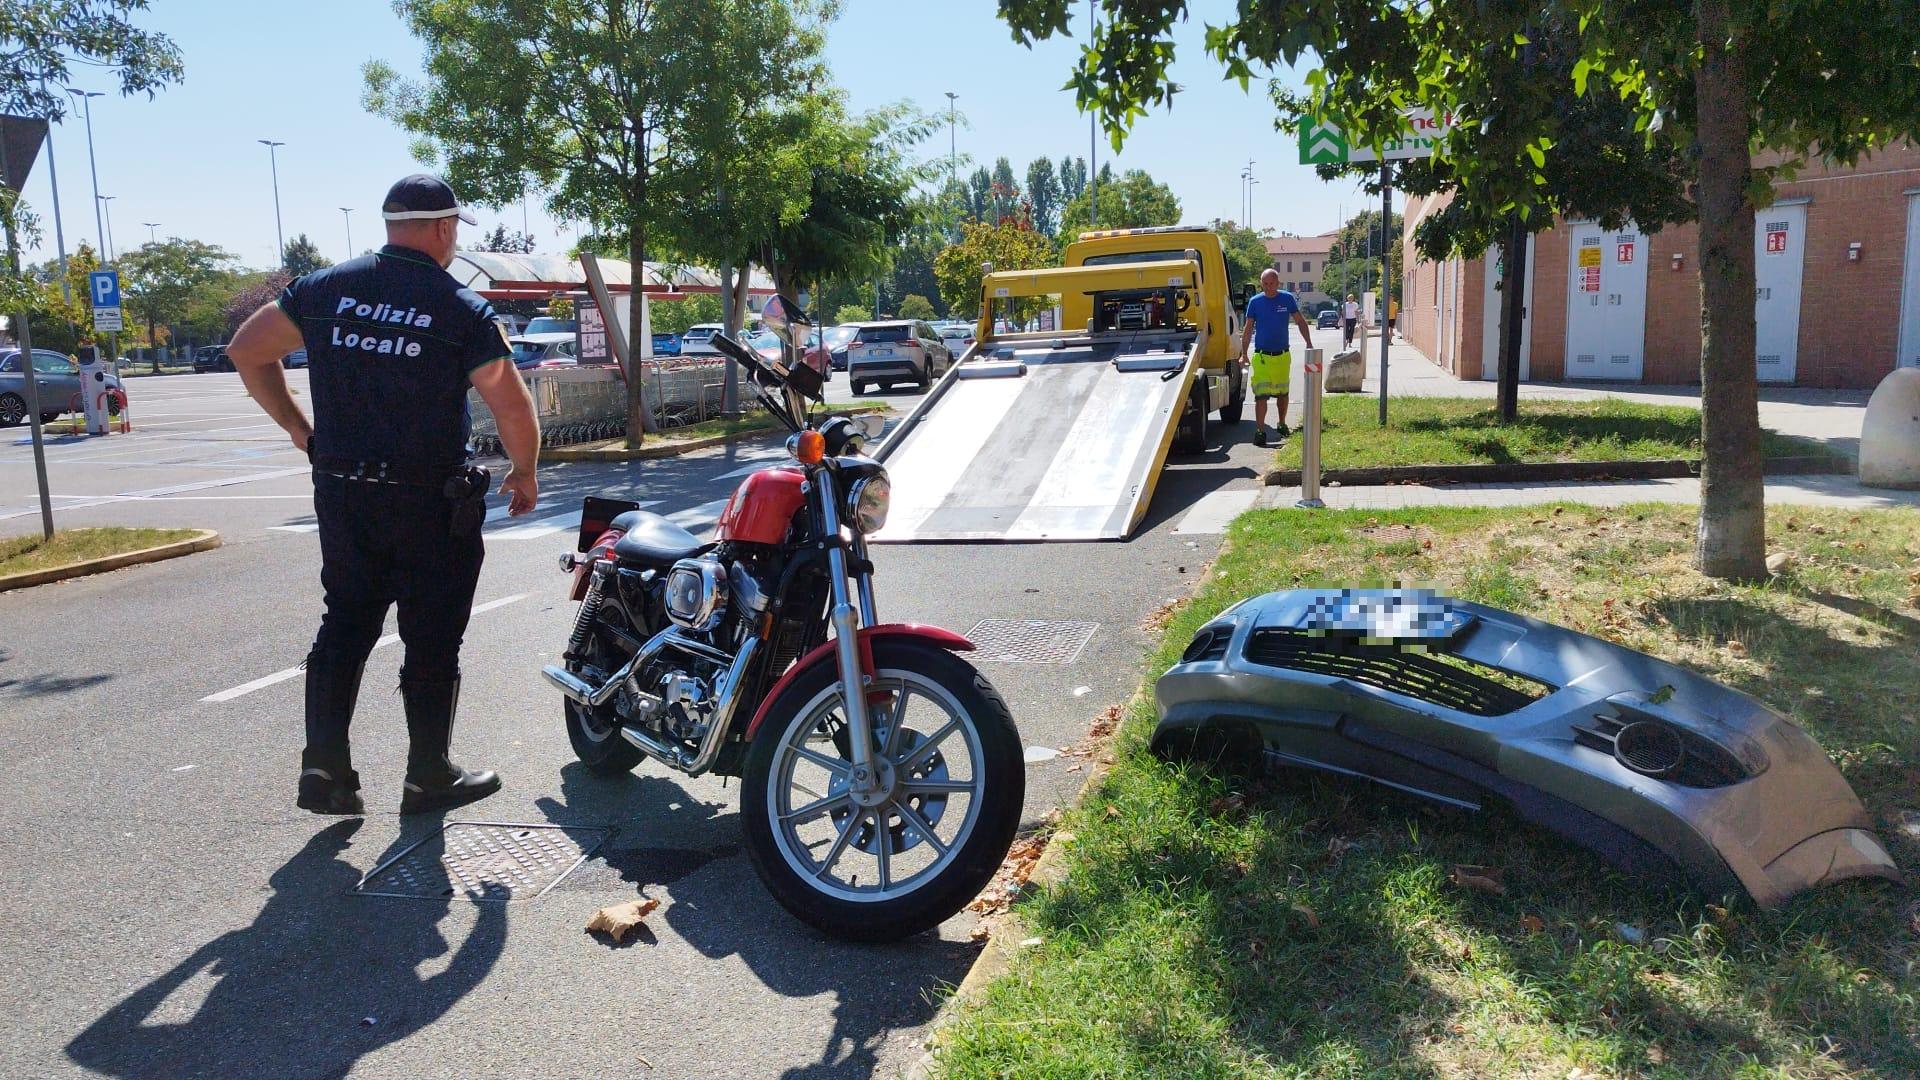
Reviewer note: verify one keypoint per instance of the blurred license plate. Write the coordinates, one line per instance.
(880, 352)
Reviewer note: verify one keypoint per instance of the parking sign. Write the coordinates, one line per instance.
(105, 287)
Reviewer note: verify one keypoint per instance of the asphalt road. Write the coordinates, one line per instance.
(173, 914)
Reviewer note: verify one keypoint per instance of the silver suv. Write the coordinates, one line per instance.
(896, 351)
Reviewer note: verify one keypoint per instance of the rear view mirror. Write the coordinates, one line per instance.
(871, 424)
(786, 319)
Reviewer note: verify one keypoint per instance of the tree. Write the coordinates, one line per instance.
(1354, 263)
(303, 257)
(980, 195)
(1716, 79)
(41, 38)
(1043, 193)
(1005, 192)
(501, 240)
(1073, 178)
(255, 290)
(1132, 200)
(1011, 246)
(65, 316)
(674, 316)
(1246, 253)
(162, 279)
(852, 313)
(610, 109)
(915, 306)
(561, 307)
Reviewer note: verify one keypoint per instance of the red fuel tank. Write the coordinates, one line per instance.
(762, 507)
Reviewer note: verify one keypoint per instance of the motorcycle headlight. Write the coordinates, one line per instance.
(696, 593)
(867, 504)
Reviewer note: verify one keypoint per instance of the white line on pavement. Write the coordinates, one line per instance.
(173, 489)
(693, 517)
(287, 673)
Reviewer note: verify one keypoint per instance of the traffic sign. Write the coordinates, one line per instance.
(104, 285)
(1324, 142)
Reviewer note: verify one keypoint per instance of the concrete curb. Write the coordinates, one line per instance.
(1548, 471)
(205, 541)
(652, 453)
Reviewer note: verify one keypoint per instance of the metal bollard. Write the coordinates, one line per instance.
(1310, 434)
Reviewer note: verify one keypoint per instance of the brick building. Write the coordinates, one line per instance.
(1300, 260)
(1837, 259)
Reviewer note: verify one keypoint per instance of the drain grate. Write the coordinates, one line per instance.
(1394, 534)
(1030, 641)
(484, 861)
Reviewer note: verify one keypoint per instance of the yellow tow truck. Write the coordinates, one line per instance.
(1081, 380)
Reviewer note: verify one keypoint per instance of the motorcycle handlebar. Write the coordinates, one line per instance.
(746, 356)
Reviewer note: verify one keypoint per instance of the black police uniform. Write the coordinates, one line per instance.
(391, 342)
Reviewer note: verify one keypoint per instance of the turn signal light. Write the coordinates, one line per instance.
(811, 449)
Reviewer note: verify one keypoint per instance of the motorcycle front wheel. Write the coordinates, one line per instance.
(904, 859)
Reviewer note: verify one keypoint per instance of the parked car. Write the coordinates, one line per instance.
(697, 340)
(956, 336)
(547, 324)
(832, 342)
(666, 344)
(294, 359)
(1329, 319)
(770, 348)
(513, 325)
(211, 358)
(56, 378)
(543, 350)
(894, 352)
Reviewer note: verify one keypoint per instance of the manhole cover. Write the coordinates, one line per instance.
(1029, 641)
(486, 862)
(1393, 534)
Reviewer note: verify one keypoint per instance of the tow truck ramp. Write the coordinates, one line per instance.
(1053, 440)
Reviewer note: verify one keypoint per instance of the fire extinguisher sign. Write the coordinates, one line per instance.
(1776, 238)
(1623, 252)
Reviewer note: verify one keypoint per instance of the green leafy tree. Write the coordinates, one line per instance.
(915, 306)
(1133, 199)
(1073, 178)
(1716, 77)
(980, 195)
(1005, 193)
(561, 307)
(1354, 262)
(41, 40)
(505, 241)
(674, 316)
(253, 290)
(852, 313)
(1043, 194)
(162, 279)
(1010, 246)
(1246, 253)
(607, 106)
(303, 257)
(64, 316)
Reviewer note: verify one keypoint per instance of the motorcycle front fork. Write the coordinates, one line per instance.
(867, 775)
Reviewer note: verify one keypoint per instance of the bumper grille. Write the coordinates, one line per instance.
(1446, 681)
(1657, 749)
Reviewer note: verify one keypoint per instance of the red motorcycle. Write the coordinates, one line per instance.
(882, 776)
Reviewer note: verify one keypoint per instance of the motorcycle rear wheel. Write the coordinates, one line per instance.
(595, 733)
(811, 842)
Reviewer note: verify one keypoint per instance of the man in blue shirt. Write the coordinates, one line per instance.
(393, 344)
(1272, 360)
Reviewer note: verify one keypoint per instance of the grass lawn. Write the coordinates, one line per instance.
(1460, 431)
(19, 554)
(1308, 928)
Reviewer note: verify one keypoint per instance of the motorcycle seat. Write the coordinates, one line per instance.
(652, 540)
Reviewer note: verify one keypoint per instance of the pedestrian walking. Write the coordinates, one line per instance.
(1349, 320)
(1271, 360)
(393, 342)
(1393, 314)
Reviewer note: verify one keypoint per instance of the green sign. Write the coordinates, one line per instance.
(1323, 142)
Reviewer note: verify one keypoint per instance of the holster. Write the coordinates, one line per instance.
(467, 490)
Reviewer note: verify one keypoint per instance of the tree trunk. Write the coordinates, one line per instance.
(1513, 315)
(1732, 540)
(730, 392)
(639, 417)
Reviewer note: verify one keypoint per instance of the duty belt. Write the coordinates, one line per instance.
(384, 472)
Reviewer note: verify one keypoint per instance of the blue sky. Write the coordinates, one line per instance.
(188, 159)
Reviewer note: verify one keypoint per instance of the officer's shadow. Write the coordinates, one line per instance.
(319, 979)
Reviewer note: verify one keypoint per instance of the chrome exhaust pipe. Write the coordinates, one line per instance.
(698, 762)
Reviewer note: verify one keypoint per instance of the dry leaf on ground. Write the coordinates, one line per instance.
(620, 920)
(1306, 913)
(1533, 924)
(1479, 878)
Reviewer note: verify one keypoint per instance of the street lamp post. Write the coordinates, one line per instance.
(107, 202)
(86, 106)
(151, 225)
(274, 160)
(953, 153)
(347, 213)
(1093, 128)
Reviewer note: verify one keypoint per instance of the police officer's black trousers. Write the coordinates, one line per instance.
(384, 545)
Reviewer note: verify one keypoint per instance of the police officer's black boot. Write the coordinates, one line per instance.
(434, 782)
(328, 784)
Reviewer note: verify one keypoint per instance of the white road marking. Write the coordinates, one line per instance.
(694, 517)
(1215, 511)
(311, 526)
(520, 530)
(174, 489)
(287, 673)
(745, 470)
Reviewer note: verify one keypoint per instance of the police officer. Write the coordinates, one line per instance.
(393, 342)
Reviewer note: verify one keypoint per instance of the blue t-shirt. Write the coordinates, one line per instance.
(391, 340)
(1270, 316)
